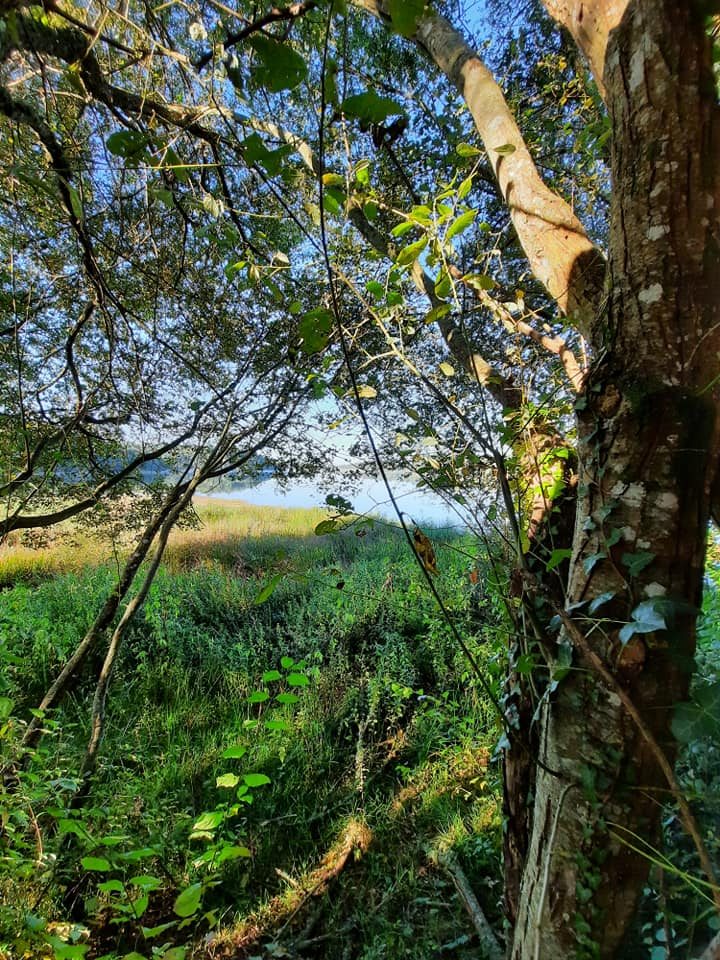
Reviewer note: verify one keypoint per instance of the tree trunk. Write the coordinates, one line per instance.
(648, 451)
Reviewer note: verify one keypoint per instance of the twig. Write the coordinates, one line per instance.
(488, 943)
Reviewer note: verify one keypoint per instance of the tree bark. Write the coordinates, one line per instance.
(649, 451)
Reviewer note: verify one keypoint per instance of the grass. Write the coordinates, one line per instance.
(347, 698)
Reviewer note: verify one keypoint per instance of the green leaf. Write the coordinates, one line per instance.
(334, 180)
(277, 725)
(699, 718)
(278, 66)
(146, 881)
(460, 224)
(556, 558)
(479, 281)
(229, 780)
(270, 675)
(258, 696)
(325, 527)
(234, 753)
(99, 864)
(647, 617)
(465, 188)
(209, 820)
(402, 228)
(6, 706)
(268, 590)
(371, 210)
(127, 143)
(370, 108)
(256, 779)
(187, 902)
(405, 15)
(636, 562)
(314, 329)
(437, 313)
(287, 663)
(410, 253)
(255, 151)
(298, 680)
(376, 289)
(467, 150)
(150, 932)
(232, 853)
(111, 886)
(589, 562)
(504, 149)
(447, 369)
(599, 601)
(443, 284)
(287, 698)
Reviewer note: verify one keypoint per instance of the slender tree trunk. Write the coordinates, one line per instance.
(648, 452)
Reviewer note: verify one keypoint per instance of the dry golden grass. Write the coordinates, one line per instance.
(67, 547)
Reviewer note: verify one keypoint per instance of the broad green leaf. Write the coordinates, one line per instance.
(325, 526)
(636, 562)
(232, 853)
(256, 779)
(287, 662)
(277, 725)
(376, 289)
(258, 696)
(287, 698)
(314, 329)
(111, 886)
(556, 558)
(99, 864)
(146, 882)
(405, 15)
(298, 680)
(234, 753)
(700, 717)
(504, 149)
(187, 902)
(460, 224)
(255, 151)
(402, 228)
(209, 820)
(6, 705)
(229, 780)
(447, 369)
(333, 180)
(410, 253)
(371, 210)
(278, 66)
(270, 675)
(370, 108)
(127, 143)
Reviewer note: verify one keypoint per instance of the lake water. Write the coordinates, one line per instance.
(369, 496)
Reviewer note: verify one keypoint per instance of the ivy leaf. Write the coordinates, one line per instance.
(700, 717)
(405, 15)
(636, 562)
(370, 108)
(599, 601)
(556, 558)
(279, 67)
(647, 617)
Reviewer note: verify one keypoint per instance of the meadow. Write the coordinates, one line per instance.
(297, 758)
